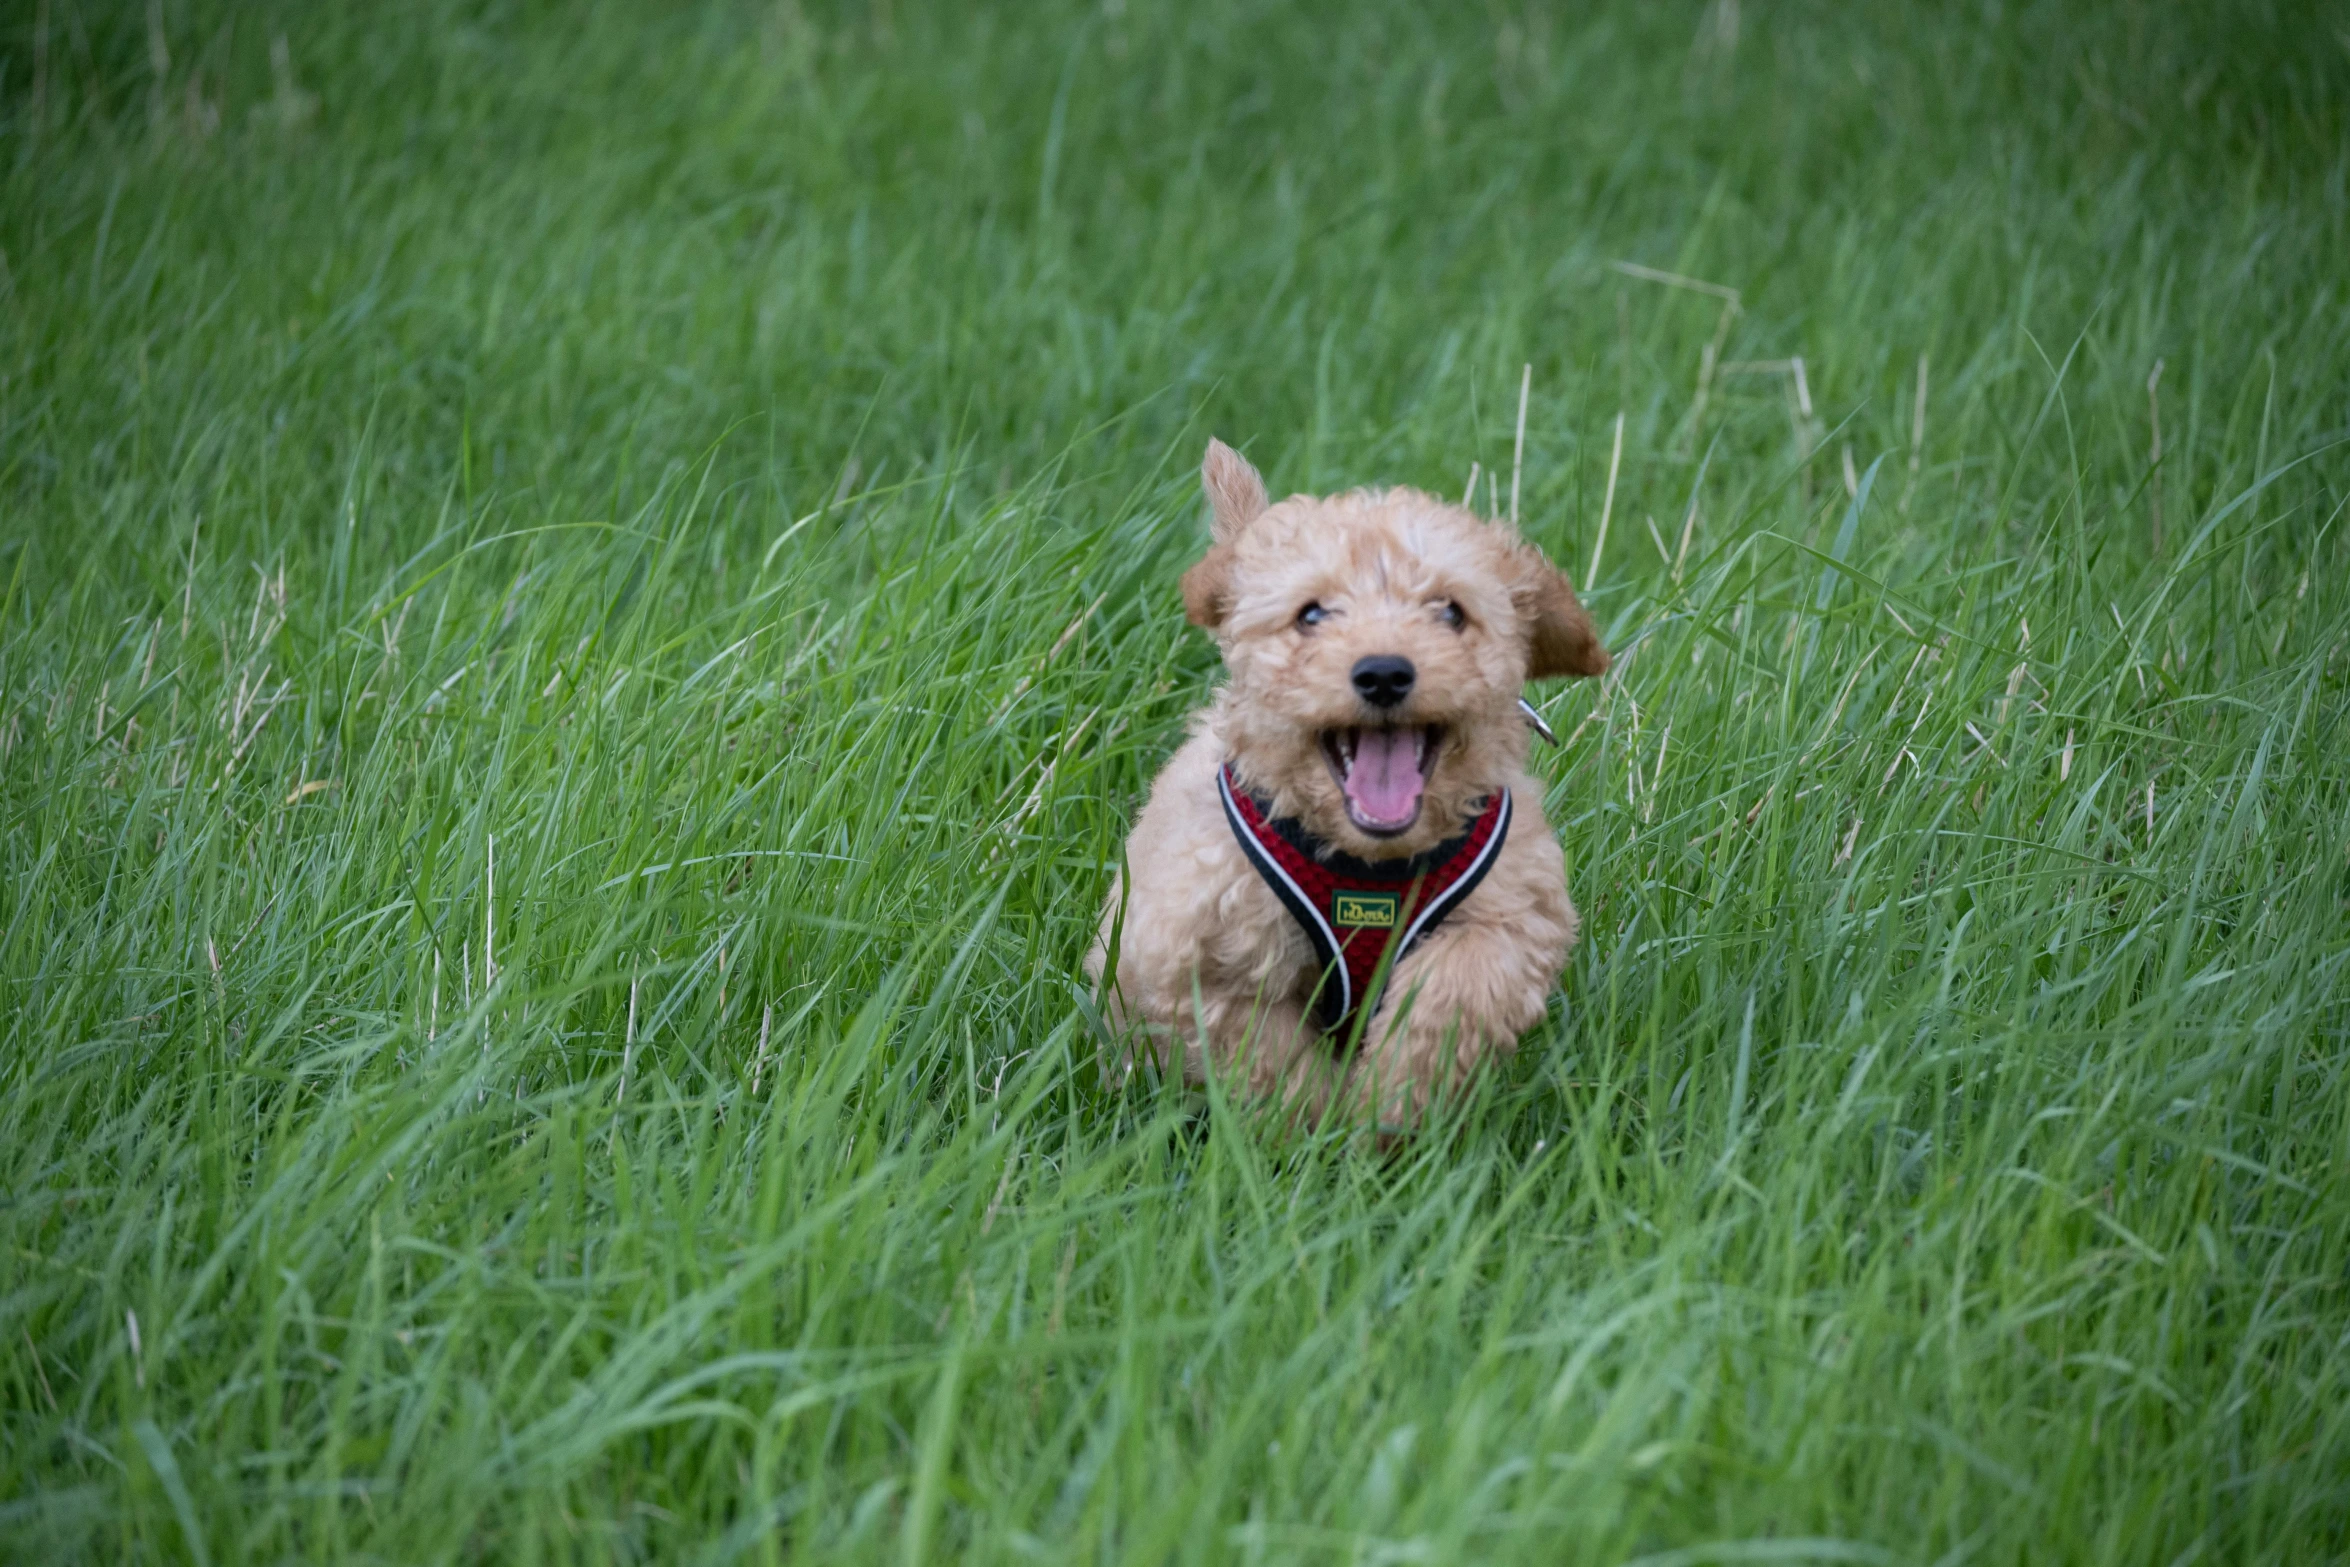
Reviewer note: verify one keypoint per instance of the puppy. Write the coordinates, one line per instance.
(1342, 891)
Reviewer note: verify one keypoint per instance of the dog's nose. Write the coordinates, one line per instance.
(1384, 680)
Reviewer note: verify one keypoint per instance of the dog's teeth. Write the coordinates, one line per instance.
(1420, 745)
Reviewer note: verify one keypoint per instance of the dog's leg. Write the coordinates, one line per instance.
(1264, 1046)
(1268, 1050)
(1474, 985)
(1464, 994)
(1283, 1055)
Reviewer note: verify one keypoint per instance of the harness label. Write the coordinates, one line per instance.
(1373, 910)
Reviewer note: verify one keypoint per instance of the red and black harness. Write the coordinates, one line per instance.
(1353, 911)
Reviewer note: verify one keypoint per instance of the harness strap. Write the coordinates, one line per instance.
(1353, 911)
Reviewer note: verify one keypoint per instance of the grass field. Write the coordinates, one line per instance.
(586, 595)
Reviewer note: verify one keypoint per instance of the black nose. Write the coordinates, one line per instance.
(1384, 680)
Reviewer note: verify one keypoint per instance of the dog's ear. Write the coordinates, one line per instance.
(1236, 493)
(1236, 498)
(1561, 640)
(1207, 587)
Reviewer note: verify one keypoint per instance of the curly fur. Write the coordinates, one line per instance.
(1211, 970)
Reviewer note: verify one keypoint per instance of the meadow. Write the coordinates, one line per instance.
(586, 595)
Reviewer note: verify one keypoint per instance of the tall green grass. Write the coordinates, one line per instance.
(588, 595)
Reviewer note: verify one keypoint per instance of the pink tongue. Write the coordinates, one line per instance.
(1384, 783)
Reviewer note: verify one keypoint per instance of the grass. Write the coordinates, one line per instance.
(587, 598)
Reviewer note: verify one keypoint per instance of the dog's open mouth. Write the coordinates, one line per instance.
(1382, 772)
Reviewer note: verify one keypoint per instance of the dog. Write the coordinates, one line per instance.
(1342, 894)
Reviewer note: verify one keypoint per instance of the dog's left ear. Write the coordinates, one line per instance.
(1236, 498)
(1561, 640)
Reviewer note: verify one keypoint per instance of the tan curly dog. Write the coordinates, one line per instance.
(1343, 891)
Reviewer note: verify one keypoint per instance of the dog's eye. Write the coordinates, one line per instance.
(1454, 615)
(1313, 614)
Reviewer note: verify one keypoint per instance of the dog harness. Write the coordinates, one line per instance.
(1354, 911)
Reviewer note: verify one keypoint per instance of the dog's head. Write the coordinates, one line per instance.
(1377, 642)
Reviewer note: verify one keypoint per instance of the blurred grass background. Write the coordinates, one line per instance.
(589, 593)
